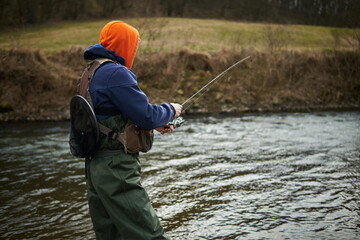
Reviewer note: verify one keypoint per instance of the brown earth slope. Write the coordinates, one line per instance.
(36, 86)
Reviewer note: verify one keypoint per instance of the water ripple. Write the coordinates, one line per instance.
(272, 176)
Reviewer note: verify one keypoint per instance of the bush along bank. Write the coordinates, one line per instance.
(36, 86)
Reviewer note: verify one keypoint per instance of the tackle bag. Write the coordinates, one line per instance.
(85, 130)
(137, 139)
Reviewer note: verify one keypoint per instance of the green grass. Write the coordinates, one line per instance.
(53, 38)
(170, 34)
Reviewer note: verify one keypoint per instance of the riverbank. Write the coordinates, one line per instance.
(37, 86)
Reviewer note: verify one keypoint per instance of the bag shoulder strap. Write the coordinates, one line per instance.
(85, 80)
(83, 90)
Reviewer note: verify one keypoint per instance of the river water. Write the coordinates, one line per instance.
(257, 176)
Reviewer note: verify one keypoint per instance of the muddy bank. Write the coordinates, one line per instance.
(36, 86)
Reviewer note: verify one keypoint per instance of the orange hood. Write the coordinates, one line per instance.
(121, 38)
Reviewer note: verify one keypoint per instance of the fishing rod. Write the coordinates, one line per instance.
(180, 120)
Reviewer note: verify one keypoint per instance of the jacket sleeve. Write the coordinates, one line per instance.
(133, 103)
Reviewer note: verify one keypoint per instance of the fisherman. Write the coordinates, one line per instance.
(119, 206)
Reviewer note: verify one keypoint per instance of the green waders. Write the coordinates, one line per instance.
(119, 206)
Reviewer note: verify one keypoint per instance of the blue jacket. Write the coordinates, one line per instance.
(114, 86)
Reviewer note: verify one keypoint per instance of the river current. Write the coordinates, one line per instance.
(253, 176)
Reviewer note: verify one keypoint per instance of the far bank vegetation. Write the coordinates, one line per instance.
(292, 67)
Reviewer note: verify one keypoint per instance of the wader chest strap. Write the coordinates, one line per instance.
(113, 135)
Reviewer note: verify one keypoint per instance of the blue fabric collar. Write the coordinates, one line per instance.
(98, 51)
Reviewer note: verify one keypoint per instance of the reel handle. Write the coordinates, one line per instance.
(177, 122)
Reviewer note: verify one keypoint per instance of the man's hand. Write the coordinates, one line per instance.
(165, 129)
(178, 108)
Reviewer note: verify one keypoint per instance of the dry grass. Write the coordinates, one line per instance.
(33, 83)
(284, 81)
(38, 86)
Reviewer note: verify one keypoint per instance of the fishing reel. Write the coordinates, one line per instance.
(177, 122)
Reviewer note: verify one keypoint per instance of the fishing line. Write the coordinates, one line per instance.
(216, 78)
(179, 121)
(197, 98)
